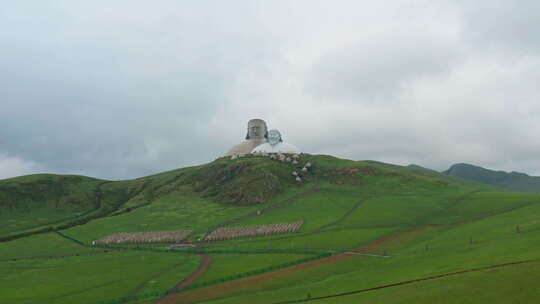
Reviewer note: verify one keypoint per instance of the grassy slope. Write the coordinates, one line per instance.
(171, 200)
(513, 181)
(348, 209)
(175, 211)
(509, 283)
(35, 200)
(39, 203)
(40, 246)
(224, 265)
(89, 279)
(495, 241)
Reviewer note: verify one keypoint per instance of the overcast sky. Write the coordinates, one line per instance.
(123, 89)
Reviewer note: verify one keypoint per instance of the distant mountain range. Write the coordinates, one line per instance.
(515, 181)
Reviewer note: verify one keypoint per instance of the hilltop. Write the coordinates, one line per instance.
(344, 227)
(515, 181)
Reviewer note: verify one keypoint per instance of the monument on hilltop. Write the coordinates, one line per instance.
(257, 134)
(275, 144)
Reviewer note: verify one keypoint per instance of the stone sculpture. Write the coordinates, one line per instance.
(257, 134)
(275, 144)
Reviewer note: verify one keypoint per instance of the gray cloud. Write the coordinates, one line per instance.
(15, 166)
(503, 24)
(124, 100)
(97, 90)
(375, 70)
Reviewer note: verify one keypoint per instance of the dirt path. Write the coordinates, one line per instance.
(380, 243)
(206, 260)
(210, 292)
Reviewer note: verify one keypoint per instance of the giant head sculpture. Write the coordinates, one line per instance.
(257, 129)
(274, 137)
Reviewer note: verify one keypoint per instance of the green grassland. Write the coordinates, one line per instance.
(89, 279)
(224, 265)
(489, 286)
(495, 241)
(174, 211)
(415, 223)
(32, 201)
(42, 246)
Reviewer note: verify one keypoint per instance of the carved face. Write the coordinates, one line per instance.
(256, 129)
(274, 137)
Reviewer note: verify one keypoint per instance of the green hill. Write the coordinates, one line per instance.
(34, 200)
(44, 202)
(372, 232)
(515, 181)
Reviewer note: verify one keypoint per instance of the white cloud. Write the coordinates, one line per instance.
(15, 166)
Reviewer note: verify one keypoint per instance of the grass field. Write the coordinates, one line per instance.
(93, 278)
(32, 201)
(175, 211)
(224, 265)
(495, 241)
(385, 224)
(41, 246)
(21, 221)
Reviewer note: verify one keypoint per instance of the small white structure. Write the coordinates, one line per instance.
(275, 144)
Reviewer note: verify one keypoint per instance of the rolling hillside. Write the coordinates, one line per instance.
(371, 232)
(515, 181)
(35, 200)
